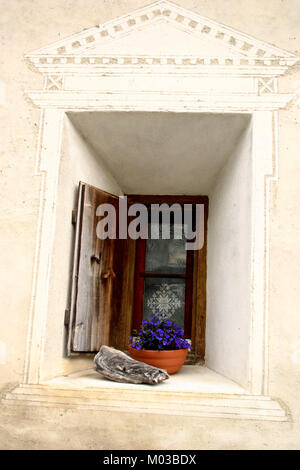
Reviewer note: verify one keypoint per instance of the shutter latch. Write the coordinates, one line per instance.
(74, 217)
(96, 258)
(67, 317)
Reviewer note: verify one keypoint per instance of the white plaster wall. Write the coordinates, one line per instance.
(162, 152)
(79, 162)
(228, 266)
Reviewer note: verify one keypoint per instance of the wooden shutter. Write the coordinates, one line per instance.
(96, 276)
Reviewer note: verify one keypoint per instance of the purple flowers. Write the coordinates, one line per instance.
(159, 334)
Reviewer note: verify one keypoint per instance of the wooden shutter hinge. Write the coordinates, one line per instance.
(67, 317)
(74, 216)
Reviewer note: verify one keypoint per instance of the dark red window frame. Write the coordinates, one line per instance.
(141, 274)
(197, 312)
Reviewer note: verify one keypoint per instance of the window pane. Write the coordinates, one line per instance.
(165, 296)
(166, 256)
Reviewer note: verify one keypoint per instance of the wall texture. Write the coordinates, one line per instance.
(229, 266)
(27, 25)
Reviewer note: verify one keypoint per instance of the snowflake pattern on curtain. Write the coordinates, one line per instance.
(164, 301)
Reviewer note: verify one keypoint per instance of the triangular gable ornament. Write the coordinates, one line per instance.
(161, 33)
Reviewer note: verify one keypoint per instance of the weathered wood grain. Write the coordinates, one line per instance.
(117, 366)
(92, 305)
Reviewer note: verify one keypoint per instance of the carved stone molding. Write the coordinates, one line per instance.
(54, 82)
(147, 101)
(166, 11)
(266, 85)
(232, 63)
(239, 75)
(69, 60)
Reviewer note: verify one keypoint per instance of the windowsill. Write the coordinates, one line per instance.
(194, 391)
(191, 378)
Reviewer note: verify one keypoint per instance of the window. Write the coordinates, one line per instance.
(164, 276)
(118, 282)
(169, 279)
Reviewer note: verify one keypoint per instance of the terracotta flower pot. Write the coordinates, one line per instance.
(171, 361)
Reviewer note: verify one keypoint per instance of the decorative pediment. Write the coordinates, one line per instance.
(158, 39)
(160, 32)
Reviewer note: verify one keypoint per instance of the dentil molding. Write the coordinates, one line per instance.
(122, 57)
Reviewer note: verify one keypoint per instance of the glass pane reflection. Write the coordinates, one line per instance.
(166, 256)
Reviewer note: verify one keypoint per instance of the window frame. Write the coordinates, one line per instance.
(196, 291)
(141, 274)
